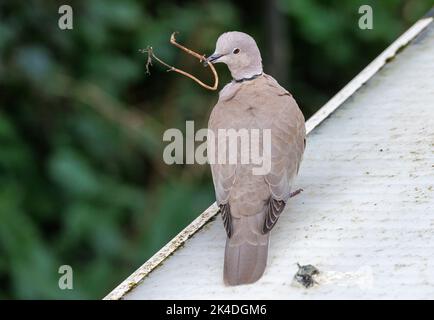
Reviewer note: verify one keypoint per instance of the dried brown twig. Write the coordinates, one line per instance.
(151, 55)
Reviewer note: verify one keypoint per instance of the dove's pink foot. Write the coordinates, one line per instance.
(293, 194)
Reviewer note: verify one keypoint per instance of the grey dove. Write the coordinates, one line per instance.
(250, 204)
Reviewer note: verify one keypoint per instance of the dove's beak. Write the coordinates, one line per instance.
(212, 58)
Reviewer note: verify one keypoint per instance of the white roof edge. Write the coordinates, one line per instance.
(334, 103)
(367, 73)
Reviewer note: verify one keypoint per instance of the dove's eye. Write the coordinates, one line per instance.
(236, 51)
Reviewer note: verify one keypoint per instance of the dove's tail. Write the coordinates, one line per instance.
(245, 254)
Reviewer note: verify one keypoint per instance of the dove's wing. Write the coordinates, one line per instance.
(223, 175)
(287, 147)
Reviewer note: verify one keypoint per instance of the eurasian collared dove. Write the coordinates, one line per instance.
(251, 204)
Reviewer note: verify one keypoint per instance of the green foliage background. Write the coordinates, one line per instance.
(82, 181)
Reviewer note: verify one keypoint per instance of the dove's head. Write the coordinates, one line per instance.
(240, 53)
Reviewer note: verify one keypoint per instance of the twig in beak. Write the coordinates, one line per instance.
(201, 58)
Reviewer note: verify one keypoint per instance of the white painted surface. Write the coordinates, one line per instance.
(366, 217)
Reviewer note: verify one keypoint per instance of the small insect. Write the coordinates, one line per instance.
(305, 275)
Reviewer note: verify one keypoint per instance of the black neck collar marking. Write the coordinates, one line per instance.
(248, 79)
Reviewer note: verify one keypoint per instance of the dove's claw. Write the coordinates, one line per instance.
(293, 194)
